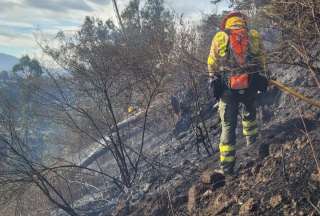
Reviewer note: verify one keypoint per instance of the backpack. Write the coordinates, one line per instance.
(238, 55)
(239, 45)
(236, 52)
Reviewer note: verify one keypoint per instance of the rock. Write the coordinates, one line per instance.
(275, 200)
(249, 206)
(214, 178)
(193, 196)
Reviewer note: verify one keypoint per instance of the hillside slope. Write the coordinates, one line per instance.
(7, 62)
(277, 176)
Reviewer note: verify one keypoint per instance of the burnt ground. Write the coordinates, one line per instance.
(284, 181)
(276, 176)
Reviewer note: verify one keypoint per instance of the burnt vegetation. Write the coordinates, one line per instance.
(127, 125)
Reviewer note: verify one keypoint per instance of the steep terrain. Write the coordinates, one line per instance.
(277, 176)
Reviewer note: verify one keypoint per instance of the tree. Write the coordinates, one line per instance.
(105, 73)
(27, 67)
(107, 70)
(28, 78)
(298, 26)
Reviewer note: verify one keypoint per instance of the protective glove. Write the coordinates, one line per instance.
(262, 83)
(215, 86)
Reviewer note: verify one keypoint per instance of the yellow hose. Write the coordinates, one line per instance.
(293, 92)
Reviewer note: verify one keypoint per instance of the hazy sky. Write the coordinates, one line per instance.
(20, 19)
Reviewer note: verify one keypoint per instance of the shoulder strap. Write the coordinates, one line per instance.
(239, 45)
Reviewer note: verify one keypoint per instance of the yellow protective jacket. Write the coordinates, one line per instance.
(219, 49)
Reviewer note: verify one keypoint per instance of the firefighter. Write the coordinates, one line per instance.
(236, 65)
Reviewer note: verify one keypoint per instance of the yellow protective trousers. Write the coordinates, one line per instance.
(228, 110)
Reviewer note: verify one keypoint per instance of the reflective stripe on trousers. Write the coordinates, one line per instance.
(228, 112)
(249, 128)
(227, 153)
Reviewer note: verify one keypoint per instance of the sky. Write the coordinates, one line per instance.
(22, 21)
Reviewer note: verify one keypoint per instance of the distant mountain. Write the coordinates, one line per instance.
(7, 61)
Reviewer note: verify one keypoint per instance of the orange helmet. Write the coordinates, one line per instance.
(232, 14)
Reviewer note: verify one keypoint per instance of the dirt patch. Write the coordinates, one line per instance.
(248, 207)
(275, 201)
